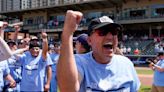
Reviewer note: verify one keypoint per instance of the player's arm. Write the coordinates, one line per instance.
(151, 65)
(44, 45)
(17, 29)
(49, 76)
(5, 51)
(158, 68)
(67, 73)
(3, 25)
(12, 81)
(1, 33)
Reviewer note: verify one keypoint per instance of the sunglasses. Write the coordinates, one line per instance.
(11, 44)
(103, 31)
(35, 48)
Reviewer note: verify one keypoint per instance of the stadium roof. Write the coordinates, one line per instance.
(82, 6)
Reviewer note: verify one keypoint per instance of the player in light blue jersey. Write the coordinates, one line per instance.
(5, 75)
(36, 67)
(99, 70)
(54, 56)
(81, 44)
(15, 71)
(158, 67)
(53, 85)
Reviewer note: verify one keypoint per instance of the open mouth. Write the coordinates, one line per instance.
(108, 46)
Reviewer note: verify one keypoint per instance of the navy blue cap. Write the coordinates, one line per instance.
(101, 22)
(11, 42)
(34, 44)
(160, 53)
(82, 38)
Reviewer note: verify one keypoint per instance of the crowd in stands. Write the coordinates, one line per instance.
(54, 23)
(159, 45)
(144, 45)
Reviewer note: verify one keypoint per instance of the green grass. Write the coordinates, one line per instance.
(144, 71)
(145, 88)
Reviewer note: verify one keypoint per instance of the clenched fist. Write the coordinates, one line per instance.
(44, 35)
(72, 21)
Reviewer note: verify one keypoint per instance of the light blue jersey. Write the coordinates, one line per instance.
(15, 71)
(53, 86)
(4, 71)
(15, 68)
(33, 72)
(159, 76)
(117, 76)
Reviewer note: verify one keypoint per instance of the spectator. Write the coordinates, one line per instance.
(136, 51)
(128, 50)
(124, 50)
(125, 37)
(50, 24)
(56, 23)
(99, 70)
(156, 48)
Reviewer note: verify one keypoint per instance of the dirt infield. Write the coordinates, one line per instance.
(146, 80)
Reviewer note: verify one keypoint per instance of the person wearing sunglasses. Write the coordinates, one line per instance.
(36, 66)
(99, 70)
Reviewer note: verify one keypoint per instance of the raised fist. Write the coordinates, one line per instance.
(17, 28)
(72, 20)
(44, 35)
